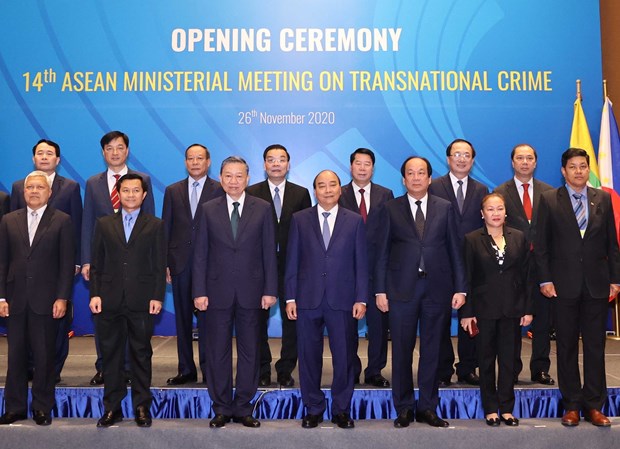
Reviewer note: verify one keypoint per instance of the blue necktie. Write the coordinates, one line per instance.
(277, 203)
(193, 200)
(326, 234)
(580, 212)
(128, 226)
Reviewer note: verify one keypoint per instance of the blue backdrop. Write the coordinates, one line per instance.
(494, 72)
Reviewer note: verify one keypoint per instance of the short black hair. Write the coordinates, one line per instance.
(429, 168)
(234, 160)
(130, 176)
(276, 146)
(50, 143)
(449, 149)
(574, 152)
(365, 151)
(109, 137)
(323, 171)
(514, 149)
(198, 145)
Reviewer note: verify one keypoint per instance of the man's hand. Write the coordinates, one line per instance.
(291, 310)
(59, 308)
(168, 277)
(155, 307)
(201, 303)
(526, 320)
(4, 309)
(548, 290)
(359, 310)
(466, 323)
(458, 300)
(86, 271)
(267, 301)
(95, 304)
(382, 302)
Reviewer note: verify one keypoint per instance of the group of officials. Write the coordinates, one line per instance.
(231, 251)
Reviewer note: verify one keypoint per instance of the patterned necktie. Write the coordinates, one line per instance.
(34, 224)
(419, 225)
(114, 198)
(234, 219)
(128, 226)
(326, 233)
(460, 198)
(193, 199)
(527, 202)
(363, 210)
(277, 203)
(580, 212)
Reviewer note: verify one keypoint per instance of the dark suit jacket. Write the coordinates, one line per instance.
(496, 291)
(97, 204)
(33, 277)
(135, 270)
(181, 228)
(4, 204)
(514, 207)
(470, 219)
(244, 268)
(339, 273)
(566, 259)
(400, 249)
(296, 198)
(379, 195)
(66, 197)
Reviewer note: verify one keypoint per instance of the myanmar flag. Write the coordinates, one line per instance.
(580, 138)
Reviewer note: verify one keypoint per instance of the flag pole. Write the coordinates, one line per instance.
(604, 90)
(579, 90)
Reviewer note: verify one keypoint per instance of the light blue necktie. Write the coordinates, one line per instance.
(128, 226)
(193, 200)
(580, 212)
(326, 234)
(277, 203)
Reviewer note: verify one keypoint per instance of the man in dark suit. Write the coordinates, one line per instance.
(465, 194)
(578, 263)
(419, 275)
(127, 288)
(522, 196)
(326, 287)
(182, 200)
(65, 197)
(36, 278)
(368, 199)
(235, 275)
(285, 198)
(100, 199)
(5, 204)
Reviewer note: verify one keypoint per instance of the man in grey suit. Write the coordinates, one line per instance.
(522, 197)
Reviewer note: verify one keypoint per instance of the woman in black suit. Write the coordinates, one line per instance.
(496, 261)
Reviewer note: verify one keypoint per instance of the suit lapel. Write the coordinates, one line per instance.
(349, 198)
(141, 222)
(104, 192)
(224, 218)
(340, 217)
(56, 187)
(446, 183)
(513, 195)
(246, 215)
(593, 204)
(407, 214)
(44, 223)
(317, 224)
(566, 207)
(22, 218)
(185, 197)
(117, 224)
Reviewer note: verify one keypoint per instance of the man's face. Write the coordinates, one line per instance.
(196, 162)
(416, 179)
(36, 192)
(327, 190)
(461, 159)
(131, 195)
(362, 169)
(577, 172)
(45, 158)
(524, 162)
(234, 178)
(276, 165)
(115, 154)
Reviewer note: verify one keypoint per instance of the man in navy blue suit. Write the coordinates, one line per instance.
(419, 275)
(368, 199)
(66, 197)
(100, 199)
(182, 202)
(5, 204)
(326, 287)
(234, 277)
(465, 194)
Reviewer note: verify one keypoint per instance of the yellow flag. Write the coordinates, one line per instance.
(580, 138)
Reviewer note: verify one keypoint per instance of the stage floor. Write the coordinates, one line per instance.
(79, 367)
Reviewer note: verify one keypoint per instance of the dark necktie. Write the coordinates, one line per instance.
(363, 210)
(277, 203)
(527, 202)
(460, 198)
(419, 225)
(114, 198)
(234, 219)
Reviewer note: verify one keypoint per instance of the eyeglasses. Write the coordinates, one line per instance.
(466, 156)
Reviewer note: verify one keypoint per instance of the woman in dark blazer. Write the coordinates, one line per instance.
(497, 302)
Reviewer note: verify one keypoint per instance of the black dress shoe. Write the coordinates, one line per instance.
(219, 421)
(110, 418)
(403, 419)
(143, 416)
(286, 380)
(10, 418)
(512, 421)
(41, 418)
(493, 422)
(181, 379)
(310, 421)
(471, 379)
(264, 380)
(444, 383)
(377, 381)
(97, 379)
(343, 420)
(247, 421)
(543, 378)
(430, 418)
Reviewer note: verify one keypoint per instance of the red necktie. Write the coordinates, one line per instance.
(363, 211)
(116, 200)
(527, 202)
